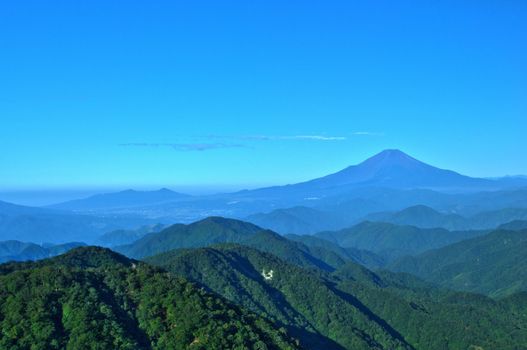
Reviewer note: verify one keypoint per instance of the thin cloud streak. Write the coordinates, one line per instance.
(274, 137)
(367, 133)
(316, 137)
(185, 147)
(206, 146)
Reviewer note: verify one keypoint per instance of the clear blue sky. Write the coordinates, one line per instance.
(242, 93)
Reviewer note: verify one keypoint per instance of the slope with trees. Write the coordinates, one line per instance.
(392, 241)
(353, 307)
(493, 264)
(214, 230)
(92, 298)
(291, 296)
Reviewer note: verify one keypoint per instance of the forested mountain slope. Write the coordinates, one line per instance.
(92, 298)
(392, 241)
(352, 308)
(285, 293)
(493, 264)
(216, 230)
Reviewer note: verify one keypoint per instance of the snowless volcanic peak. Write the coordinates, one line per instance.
(394, 168)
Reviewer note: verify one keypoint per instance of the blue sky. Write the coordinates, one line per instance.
(141, 94)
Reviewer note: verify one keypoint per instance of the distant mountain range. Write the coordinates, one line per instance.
(425, 217)
(304, 220)
(385, 183)
(389, 170)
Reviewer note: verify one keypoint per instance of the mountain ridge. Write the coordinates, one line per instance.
(492, 264)
(218, 230)
(121, 199)
(391, 241)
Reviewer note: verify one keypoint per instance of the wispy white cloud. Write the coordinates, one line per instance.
(312, 137)
(315, 137)
(205, 146)
(276, 137)
(185, 147)
(367, 133)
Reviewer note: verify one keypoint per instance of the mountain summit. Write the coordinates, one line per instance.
(390, 155)
(396, 169)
